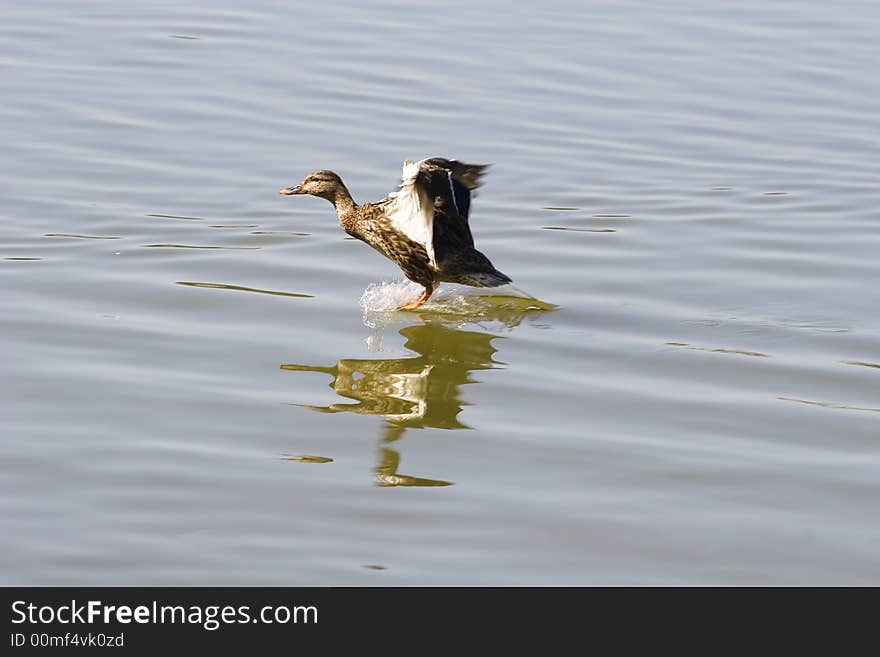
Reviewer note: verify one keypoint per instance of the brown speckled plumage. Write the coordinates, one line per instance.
(448, 184)
(368, 223)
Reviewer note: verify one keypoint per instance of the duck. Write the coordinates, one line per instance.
(422, 227)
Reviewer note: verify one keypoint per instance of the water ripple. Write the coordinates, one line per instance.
(241, 288)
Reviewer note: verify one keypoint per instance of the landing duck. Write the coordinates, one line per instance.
(422, 227)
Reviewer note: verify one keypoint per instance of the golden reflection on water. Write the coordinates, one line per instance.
(387, 474)
(410, 393)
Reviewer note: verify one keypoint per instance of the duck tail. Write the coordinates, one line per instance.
(492, 278)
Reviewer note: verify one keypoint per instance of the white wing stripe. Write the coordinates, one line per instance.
(452, 191)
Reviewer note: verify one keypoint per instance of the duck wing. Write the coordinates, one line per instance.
(432, 205)
(449, 184)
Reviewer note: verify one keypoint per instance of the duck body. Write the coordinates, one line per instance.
(423, 227)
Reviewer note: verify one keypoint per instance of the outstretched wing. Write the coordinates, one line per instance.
(450, 183)
(433, 203)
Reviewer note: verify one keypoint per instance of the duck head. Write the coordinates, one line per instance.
(325, 184)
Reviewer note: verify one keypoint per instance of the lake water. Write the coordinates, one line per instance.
(199, 385)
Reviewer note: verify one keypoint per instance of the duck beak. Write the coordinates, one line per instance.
(287, 191)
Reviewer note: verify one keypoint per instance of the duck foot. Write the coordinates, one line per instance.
(412, 305)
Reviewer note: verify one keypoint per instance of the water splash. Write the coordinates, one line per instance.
(388, 296)
(453, 304)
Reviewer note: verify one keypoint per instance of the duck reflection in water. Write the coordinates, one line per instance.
(411, 393)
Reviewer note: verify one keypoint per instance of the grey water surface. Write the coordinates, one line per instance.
(192, 392)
